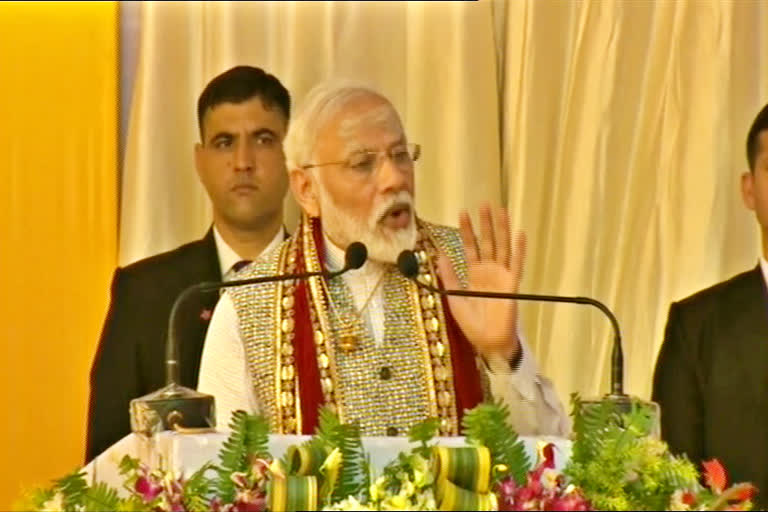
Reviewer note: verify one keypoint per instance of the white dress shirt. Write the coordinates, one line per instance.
(532, 400)
(764, 268)
(228, 257)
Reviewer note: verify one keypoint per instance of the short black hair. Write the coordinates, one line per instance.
(240, 84)
(758, 125)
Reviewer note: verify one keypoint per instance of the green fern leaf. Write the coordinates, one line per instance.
(424, 431)
(197, 490)
(73, 487)
(100, 497)
(590, 426)
(353, 475)
(249, 438)
(488, 425)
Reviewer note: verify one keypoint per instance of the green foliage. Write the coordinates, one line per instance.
(197, 489)
(353, 477)
(618, 465)
(100, 497)
(32, 500)
(128, 465)
(422, 433)
(73, 487)
(488, 425)
(71, 492)
(249, 438)
(408, 467)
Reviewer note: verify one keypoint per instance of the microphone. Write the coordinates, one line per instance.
(617, 400)
(177, 407)
(408, 265)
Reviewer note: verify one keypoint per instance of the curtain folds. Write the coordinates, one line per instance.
(613, 131)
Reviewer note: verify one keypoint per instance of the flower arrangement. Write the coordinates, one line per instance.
(615, 465)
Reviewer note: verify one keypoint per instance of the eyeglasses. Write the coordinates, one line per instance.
(366, 162)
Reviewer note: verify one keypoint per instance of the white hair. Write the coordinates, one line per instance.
(319, 106)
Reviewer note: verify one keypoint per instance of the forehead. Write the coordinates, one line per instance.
(368, 121)
(251, 114)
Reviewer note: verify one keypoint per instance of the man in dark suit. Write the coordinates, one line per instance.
(711, 376)
(243, 118)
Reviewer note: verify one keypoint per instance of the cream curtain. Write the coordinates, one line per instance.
(613, 130)
(623, 135)
(435, 60)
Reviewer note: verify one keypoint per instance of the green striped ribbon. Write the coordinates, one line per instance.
(463, 477)
(452, 497)
(292, 493)
(306, 459)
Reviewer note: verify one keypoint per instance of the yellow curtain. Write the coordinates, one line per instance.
(58, 227)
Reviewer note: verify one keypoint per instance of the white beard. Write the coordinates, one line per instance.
(384, 245)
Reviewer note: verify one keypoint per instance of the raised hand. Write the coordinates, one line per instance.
(493, 266)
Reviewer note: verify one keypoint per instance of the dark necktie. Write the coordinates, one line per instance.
(237, 267)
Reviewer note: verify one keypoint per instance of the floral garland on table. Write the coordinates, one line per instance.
(615, 465)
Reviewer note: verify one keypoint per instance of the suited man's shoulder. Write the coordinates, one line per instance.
(730, 292)
(194, 258)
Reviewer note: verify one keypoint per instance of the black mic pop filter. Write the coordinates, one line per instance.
(408, 264)
(355, 255)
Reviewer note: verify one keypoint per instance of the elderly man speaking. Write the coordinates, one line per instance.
(371, 345)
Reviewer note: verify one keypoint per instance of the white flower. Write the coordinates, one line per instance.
(350, 503)
(55, 504)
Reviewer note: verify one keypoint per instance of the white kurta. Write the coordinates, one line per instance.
(531, 398)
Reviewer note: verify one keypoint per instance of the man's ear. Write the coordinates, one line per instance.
(748, 189)
(304, 189)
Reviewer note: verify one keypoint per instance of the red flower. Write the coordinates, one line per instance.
(746, 493)
(714, 474)
(549, 456)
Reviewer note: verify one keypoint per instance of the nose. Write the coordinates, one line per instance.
(392, 179)
(243, 157)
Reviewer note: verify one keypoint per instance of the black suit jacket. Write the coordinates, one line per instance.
(711, 378)
(130, 360)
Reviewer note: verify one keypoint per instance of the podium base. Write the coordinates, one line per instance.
(173, 407)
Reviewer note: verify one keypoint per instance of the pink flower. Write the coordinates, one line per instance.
(148, 489)
(572, 501)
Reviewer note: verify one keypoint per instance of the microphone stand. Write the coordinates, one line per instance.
(175, 407)
(618, 400)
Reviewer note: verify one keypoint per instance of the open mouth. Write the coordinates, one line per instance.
(397, 216)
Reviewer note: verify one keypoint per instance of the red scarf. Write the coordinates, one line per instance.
(466, 376)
